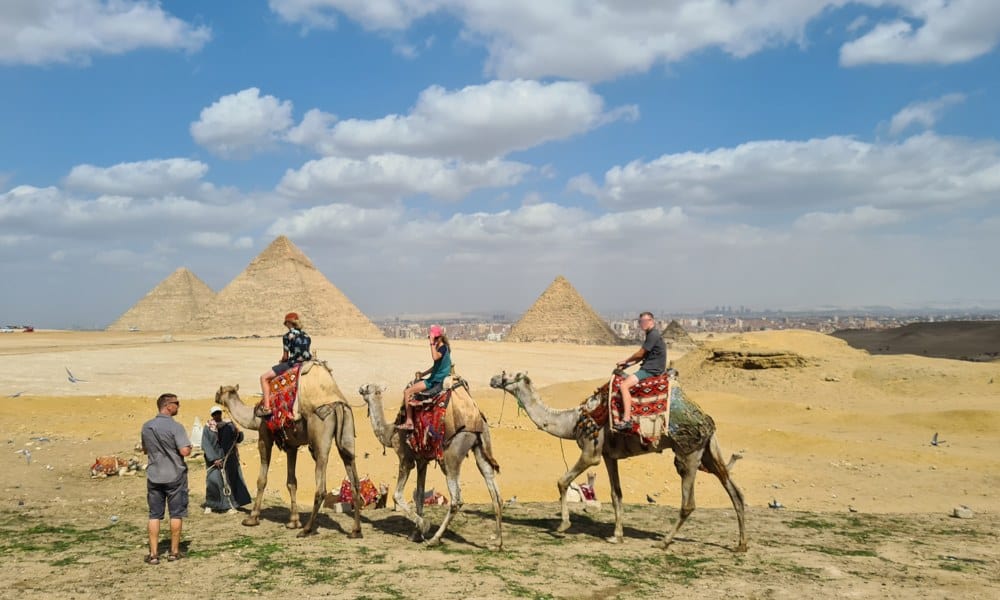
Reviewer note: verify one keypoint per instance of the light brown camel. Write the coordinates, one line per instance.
(325, 420)
(612, 447)
(459, 445)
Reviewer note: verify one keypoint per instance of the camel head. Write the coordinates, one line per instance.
(226, 392)
(503, 381)
(371, 391)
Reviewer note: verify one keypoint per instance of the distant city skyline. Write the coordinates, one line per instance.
(433, 156)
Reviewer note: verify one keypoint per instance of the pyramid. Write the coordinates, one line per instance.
(562, 315)
(674, 333)
(168, 306)
(280, 280)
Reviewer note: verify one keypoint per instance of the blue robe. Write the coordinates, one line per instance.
(215, 445)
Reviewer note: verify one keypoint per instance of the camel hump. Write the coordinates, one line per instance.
(317, 387)
(463, 413)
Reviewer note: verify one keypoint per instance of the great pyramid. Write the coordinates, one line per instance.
(168, 306)
(562, 315)
(674, 333)
(280, 280)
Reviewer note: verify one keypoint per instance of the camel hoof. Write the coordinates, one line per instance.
(417, 537)
(563, 527)
(741, 548)
(306, 533)
(434, 542)
(293, 525)
(355, 535)
(662, 545)
(251, 522)
(614, 540)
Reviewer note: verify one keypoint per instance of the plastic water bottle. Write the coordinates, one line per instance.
(196, 433)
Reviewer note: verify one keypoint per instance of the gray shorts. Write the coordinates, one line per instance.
(644, 374)
(173, 496)
(282, 367)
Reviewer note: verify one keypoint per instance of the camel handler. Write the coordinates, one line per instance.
(653, 355)
(296, 345)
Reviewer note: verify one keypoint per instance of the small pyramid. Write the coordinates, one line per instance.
(168, 306)
(280, 280)
(674, 333)
(562, 315)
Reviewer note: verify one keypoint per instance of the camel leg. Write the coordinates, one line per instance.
(616, 500)
(406, 465)
(422, 526)
(319, 447)
(687, 468)
(264, 446)
(352, 473)
(587, 460)
(452, 467)
(489, 476)
(293, 484)
(714, 462)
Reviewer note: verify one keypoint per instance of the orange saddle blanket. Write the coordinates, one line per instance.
(650, 398)
(284, 390)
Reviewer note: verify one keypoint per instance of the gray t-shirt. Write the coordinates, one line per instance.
(655, 361)
(163, 437)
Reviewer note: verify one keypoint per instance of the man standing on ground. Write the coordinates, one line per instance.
(166, 443)
(653, 355)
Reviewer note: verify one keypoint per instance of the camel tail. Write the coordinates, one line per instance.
(344, 434)
(487, 444)
(712, 461)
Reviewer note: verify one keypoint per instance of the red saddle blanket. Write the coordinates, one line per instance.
(427, 437)
(650, 397)
(368, 491)
(284, 390)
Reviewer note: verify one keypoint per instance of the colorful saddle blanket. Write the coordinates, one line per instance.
(284, 390)
(427, 437)
(367, 490)
(650, 407)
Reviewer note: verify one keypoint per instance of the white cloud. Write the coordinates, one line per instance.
(344, 223)
(144, 178)
(531, 39)
(836, 172)
(239, 124)
(860, 217)
(476, 122)
(391, 177)
(930, 31)
(924, 114)
(37, 32)
(220, 240)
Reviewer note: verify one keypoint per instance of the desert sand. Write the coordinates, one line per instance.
(830, 431)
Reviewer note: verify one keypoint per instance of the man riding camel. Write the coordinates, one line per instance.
(653, 355)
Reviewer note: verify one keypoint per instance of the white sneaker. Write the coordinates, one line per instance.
(232, 511)
(208, 510)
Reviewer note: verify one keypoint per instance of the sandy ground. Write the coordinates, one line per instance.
(843, 443)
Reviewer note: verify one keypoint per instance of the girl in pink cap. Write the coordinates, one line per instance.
(441, 353)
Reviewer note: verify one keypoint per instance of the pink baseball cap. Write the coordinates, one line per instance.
(436, 331)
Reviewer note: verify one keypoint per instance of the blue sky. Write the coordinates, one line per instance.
(437, 155)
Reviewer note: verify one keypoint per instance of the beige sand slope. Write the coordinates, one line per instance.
(562, 315)
(280, 280)
(965, 340)
(168, 306)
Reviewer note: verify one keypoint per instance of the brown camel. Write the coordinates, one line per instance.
(702, 451)
(325, 419)
(459, 445)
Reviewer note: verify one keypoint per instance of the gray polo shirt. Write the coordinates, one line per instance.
(163, 437)
(655, 360)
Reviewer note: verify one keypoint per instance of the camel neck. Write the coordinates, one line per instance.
(383, 430)
(560, 423)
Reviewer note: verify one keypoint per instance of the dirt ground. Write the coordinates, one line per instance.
(840, 438)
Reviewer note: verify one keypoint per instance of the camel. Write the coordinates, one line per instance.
(325, 420)
(459, 445)
(614, 447)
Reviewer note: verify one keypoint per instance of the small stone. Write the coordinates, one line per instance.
(962, 512)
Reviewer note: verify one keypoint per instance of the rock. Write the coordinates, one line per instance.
(962, 512)
(831, 379)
